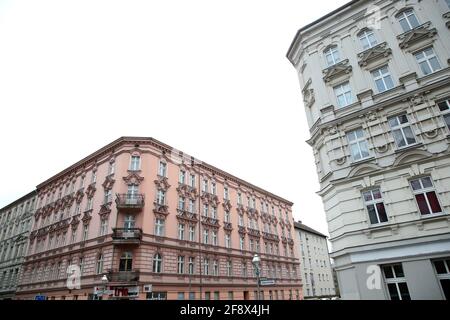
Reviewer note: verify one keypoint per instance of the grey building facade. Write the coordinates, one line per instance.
(15, 224)
(375, 80)
(315, 264)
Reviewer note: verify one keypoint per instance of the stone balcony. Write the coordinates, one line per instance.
(130, 202)
(127, 236)
(123, 277)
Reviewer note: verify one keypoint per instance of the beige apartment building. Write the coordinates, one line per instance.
(15, 224)
(138, 219)
(375, 80)
(315, 264)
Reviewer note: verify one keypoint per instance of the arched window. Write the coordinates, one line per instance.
(332, 55)
(408, 20)
(367, 39)
(157, 263)
(126, 261)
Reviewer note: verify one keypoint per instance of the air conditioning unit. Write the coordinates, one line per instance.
(147, 288)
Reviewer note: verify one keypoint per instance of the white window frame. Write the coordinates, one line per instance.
(406, 16)
(425, 190)
(426, 59)
(396, 280)
(401, 128)
(356, 138)
(181, 228)
(366, 36)
(373, 202)
(343, 90)
(334, 55)
(135, 163)
(444, 108)
(159, 227)
(162, 169)
(382, 75)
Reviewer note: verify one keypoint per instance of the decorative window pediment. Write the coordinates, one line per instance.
(162, 183)
(133, 178)
(108, 183)
(446, 16)
(90, 190)
(416, 35)
(337, 70)
(105, 209)
(79, 195)
(374, 54)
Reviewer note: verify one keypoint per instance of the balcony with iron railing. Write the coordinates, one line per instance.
(127, 235)
(130, 201)
(117, 276)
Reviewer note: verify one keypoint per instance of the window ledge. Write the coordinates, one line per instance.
(358, 162)
(412, 146)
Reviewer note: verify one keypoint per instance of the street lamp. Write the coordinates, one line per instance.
(104, 282)
(256, 262)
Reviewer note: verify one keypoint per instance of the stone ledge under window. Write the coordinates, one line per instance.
(410, 147)
(417, 34)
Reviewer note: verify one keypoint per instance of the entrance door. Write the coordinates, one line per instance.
(246, 295)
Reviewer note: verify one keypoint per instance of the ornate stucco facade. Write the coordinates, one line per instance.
(315, 264)
(145, 215)
(15, 223)
(375, 80)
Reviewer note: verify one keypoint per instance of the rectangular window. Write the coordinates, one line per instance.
(383, 79)
(161, 197)
(180, 264)
(375, 206)
(214, 238)
(443, 274)
(225, 193)
(85, 232)
(227, 240)
(162, 169)
(425, 195)
(332, 56)
(358, 145)
(408, 20)
(135, 163)
(205, 236)
(181, 203)
(181, 231)
(401, 130)
(367, 39)
(396, 282)
(444, 107)
(191, 265)
(159, 227)
(229, 268)
(180, 295)
(191, 233)
(103, 227)
(428, 61)
(343, 94)
(192, 180)
(205, 266)
(182, 177)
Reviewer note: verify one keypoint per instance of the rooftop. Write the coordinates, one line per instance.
(301, 226)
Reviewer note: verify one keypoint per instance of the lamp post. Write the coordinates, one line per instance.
(104, 282)
(256, 263)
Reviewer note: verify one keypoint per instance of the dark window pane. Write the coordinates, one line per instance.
(427, 182)
(445, 284)
(447, 120)
(434, 202)
(443, 106)
(440, 267)
(398, 269)
(404, 291)
(372, 214)
(382, 212)
(415, 184)
(393, 291)
(421, 202)
(388, 272)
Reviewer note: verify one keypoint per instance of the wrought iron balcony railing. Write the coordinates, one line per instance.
(127, 235)
(123, 276)
(130, 201)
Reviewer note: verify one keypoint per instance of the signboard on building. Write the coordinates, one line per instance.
(267, 282)
(40, 297)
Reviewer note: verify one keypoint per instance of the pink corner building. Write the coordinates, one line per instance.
(139, 219)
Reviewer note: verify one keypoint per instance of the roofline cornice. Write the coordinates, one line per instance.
(111, 147)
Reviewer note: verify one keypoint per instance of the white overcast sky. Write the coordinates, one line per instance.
(207, 77)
